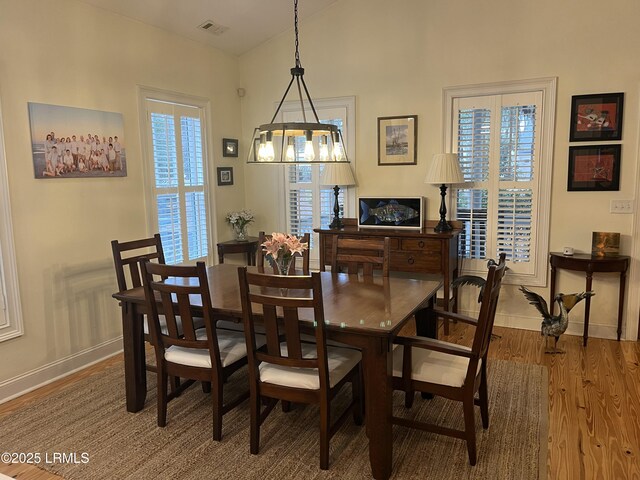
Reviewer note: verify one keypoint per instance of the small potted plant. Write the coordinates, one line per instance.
(239, 221)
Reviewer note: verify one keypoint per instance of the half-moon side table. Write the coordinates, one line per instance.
(582, 262)
(248, 246)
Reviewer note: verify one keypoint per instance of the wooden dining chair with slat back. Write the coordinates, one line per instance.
(206, 354)
(261, 258)
(287, 368)
(449, 370)
(368, 253)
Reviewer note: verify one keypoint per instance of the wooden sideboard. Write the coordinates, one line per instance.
(411, 251)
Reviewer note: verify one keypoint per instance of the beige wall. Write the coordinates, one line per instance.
(64, 52)
(396, 57)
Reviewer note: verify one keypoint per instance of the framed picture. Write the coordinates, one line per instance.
(229, 147)
(605, 244)
(69, 142)
(390, 212)
(596, 117)
(398, 140)
(225, 176)
(594, 167)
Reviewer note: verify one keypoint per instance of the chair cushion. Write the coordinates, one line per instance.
(340, 360)
(236, 326)
(231, 344)
(197, 322)
(434, 367)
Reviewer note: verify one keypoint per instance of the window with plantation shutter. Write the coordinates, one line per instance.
(310, 205)
(503, 136)
(179, 180)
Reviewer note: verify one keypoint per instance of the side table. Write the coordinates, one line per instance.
(589, 264)
(248, 246)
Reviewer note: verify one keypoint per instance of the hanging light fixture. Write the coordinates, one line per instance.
(282, 143)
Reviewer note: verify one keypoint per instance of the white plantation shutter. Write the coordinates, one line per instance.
(310, 205)
(498, 140)
(179, 180)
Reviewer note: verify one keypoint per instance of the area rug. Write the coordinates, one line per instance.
(89, 424)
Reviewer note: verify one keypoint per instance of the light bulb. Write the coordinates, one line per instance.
(269, 154)
(261, 148)
(338, 153)
(324, 149)
(290, 156)
(309, 154)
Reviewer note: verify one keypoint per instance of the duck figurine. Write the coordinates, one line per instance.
(554, 325)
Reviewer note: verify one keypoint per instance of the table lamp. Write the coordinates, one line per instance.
(444, 170)
(337, 173)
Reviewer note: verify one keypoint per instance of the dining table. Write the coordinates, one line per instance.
(361, 311)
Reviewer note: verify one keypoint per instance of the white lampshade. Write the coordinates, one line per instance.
(444, 169)
(337, 173)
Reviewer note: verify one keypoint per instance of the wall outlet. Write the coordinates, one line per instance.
(621, 206)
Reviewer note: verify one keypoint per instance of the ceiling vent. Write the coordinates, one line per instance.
(212, 27)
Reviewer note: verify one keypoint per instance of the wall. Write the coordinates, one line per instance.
(64, 52)
(396, 57)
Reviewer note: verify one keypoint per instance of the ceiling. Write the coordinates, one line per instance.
(249, 22)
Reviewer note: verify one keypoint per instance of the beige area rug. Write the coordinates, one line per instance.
(91, 418)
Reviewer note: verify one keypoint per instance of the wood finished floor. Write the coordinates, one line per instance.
(594, 403)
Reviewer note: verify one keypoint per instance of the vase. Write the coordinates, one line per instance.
(240, 232)
(283, 263)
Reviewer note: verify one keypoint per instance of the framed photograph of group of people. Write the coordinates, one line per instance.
(70, 142)
(595, 118)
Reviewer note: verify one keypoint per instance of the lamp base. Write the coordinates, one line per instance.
(337, 221)
(443, 225)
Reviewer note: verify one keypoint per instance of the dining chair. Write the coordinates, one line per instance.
(206, 354)
(368, 253)
(286, 368)
(260, 254)
(449, 370)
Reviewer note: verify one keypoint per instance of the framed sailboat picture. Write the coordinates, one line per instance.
(398, 140)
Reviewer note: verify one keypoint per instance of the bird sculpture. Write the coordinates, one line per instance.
(554, 325)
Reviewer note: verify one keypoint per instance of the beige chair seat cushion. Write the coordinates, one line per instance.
(231, 344)
(341, 361)
(197, 323)
(434, 367)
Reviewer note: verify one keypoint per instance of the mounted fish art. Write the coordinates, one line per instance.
(398, 212)
(556, 325)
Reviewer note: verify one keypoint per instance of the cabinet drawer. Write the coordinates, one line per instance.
(416, 262)
(421, 244)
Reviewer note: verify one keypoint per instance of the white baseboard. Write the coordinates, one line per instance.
(41, 376)
(576, 327)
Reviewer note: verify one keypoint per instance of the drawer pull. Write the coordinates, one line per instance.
(421, 243)
(411, 260)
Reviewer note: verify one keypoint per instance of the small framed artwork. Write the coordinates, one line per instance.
(225, 176)
(605, 244)
(229, 147)
(596, 117)
(398, 140)
(594, 168)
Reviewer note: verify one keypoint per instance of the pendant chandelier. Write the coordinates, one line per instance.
(297, 142)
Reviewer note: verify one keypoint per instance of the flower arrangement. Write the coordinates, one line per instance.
(281, 248)
(239, 221)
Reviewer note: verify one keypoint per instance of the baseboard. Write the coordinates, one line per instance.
(576, 327)
(41, 376)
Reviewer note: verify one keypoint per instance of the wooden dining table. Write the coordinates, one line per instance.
(360, 311)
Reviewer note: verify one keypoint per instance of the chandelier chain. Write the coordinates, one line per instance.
(295, 24)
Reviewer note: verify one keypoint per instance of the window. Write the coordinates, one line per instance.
(308, 204)
(178, 190)
(503, 136)
(10, 312)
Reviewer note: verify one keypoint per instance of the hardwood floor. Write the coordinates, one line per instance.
(594, 403)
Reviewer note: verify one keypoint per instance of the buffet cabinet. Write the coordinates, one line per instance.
(420, 251)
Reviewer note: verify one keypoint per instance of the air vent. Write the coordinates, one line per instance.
(212, 27)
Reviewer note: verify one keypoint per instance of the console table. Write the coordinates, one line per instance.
(589, 264)
(249, 246)
(421, 251)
